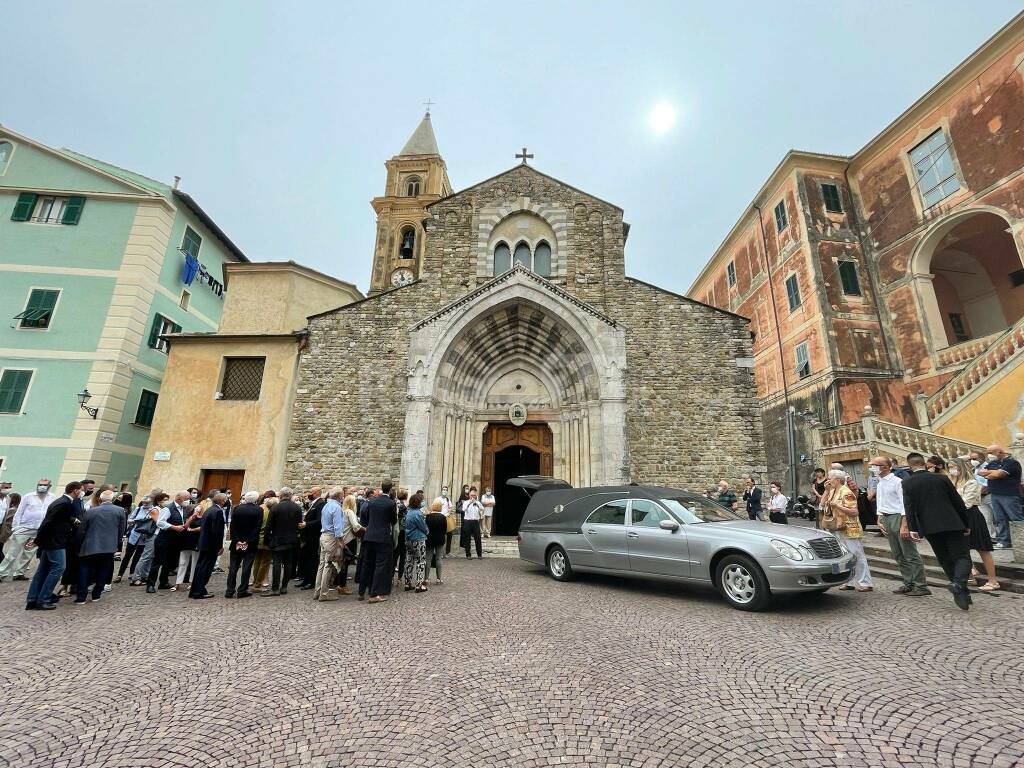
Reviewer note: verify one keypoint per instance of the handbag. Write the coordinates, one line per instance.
(450, 523)
(146, 527)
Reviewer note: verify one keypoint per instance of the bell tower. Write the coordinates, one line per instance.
(417, 176)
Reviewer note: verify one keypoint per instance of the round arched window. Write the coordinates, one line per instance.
(542, 259)
(407, 243)
(502, 259)
(522, 255)
(412, 186)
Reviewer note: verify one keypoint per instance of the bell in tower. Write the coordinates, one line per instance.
(416, 177)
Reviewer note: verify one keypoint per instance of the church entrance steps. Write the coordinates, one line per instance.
(986, 366)
(1010, 574)
(501, 546)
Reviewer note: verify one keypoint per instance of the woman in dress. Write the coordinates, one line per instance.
(962, 475)
(777, 504)
(839, 514)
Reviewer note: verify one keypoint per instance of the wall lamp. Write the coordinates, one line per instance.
(83, 398)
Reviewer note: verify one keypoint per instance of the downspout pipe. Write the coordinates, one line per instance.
(790, 439)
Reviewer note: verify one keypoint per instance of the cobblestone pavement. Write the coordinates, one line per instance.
(502, 666)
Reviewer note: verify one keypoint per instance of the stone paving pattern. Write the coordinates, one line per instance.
(502, 666)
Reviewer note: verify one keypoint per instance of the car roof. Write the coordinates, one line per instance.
(566, 508)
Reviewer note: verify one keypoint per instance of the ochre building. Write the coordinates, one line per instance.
(502, 336)
(886, 289)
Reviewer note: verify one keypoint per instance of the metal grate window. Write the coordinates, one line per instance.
(243, 378)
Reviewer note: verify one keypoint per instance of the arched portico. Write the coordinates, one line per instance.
(517, 328)
(967, 276)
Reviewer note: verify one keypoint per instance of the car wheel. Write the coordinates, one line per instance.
(558, 565)
(742, 583)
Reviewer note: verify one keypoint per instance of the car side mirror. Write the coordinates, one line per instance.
(669, 525)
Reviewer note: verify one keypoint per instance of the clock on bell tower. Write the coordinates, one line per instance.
(416, 177)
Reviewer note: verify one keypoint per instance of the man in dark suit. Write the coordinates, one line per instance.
(282, 536)
(56, 533)
(102, 529)
(211, 544)
(244, 533)
(937, 512)
(378, 544)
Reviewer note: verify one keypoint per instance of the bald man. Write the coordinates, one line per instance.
(1002, 473)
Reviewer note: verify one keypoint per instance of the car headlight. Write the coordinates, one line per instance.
(787, 550)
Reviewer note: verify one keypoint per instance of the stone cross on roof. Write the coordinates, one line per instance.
(524, 156)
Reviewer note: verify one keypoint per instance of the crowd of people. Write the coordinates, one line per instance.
(265, 542)
(956, 505)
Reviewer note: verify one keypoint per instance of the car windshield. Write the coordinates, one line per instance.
(696, 510)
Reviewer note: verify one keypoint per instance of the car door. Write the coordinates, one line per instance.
(605, 532)
(653, 549)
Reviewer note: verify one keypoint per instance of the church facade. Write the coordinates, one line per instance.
(501, 336)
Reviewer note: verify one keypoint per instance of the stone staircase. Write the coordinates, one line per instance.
(1009, 573)
(985, 360)
(875, 436)
(501, 546)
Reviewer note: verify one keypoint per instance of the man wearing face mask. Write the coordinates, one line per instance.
(892, 521)
(1003, 474)
(978, 462)
(21, 546)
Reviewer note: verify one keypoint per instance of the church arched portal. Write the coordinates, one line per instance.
(511, 451)
(516, 341)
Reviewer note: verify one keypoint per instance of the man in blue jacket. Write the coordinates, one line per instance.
(211, 545)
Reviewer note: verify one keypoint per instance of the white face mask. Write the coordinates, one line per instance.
(875, 470)
(991, 457)
(42, 488)
(953, 471)
(975, 462)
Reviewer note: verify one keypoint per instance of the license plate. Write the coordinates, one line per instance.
(836, 568)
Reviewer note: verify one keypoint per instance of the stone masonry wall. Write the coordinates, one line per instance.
(349, 412)
(692, 413)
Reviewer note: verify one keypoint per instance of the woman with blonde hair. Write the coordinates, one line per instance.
(839, 515)
(962, 475)
(350, 536)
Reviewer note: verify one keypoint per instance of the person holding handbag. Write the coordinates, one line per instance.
(147, 535)
(136, 543)
(352, 532)
(841, 517)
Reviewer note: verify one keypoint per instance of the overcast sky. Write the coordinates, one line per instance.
(279, 117)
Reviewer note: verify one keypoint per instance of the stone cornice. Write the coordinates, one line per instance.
(517, 271)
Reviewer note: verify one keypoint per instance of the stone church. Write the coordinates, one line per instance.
(501, 336)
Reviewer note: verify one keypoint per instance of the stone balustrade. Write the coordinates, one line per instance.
(1003, 349)
(965, 351)
(872, 435)
(843, 435)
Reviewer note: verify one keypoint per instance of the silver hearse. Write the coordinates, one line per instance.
(667, 533)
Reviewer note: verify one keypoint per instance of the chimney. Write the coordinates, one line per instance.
(177, 181)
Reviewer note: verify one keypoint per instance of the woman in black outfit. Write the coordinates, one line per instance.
(309, 552)
(403, 509)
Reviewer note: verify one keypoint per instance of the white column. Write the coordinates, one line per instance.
(446, 464)
(585, 477)
(460, 449)
(416, 446)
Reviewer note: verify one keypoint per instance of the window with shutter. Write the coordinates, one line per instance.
(147, 407)
(73, 210)
(781, 220)
(848, 277)
(13, 388)
(793, 292)
(830, 193)
(24, 207)
(39, 311)
(154, 331)
(191, 242)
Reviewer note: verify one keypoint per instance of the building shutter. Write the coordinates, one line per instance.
(154, 331)
(24, 207)
(39, 311)
(73, 210)
(13, 387)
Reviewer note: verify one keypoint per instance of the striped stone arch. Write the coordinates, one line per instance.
(557, 217)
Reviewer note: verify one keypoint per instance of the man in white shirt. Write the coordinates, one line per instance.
(472, 513)
(488, 501)
(21, 546)
(892, 521)
(447, 511)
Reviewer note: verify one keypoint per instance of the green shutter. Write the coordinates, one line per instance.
(39, 311)
(147, 408)
(154, 331)
(13, 387)
(73, 210)
(175, 328)
(24, 207)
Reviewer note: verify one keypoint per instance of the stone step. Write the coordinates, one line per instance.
(934, 575)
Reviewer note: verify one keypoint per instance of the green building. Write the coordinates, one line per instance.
(96, 263)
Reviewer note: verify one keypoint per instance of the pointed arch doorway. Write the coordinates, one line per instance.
(510, 451)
